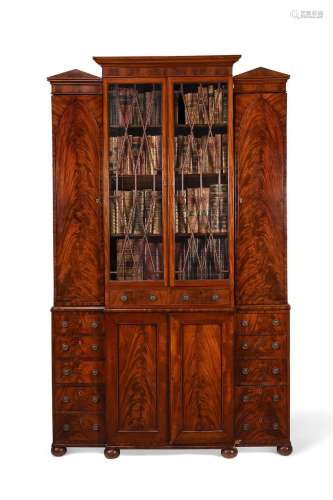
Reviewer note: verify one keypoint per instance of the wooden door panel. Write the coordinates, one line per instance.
(201, 378)
(260, 163)
(78, 232)
(136, 379)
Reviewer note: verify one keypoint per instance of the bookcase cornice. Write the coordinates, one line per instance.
(260, 80)
(75, 81)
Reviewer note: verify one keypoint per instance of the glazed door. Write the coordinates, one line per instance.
(136, 376)
(201, 379)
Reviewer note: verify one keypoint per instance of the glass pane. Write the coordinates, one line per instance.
(135, 172)
(201, 191)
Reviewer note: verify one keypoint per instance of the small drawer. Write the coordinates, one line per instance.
(79, 429)
(135, 298)
(199, 296)
(90, 399)
(269, 400)
(78, 322)
(263, 323)
(265, 346)
(258, 428)
(261, 372)
(82, 346)
(79, 372)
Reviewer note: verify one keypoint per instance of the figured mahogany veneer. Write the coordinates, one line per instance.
(170, 364)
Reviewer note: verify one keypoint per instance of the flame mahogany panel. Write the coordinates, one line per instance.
(79, 277)
(261, 232)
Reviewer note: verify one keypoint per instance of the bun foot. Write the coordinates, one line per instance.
(231, 452)
(285, 449)
(58, 451)
(111, 452)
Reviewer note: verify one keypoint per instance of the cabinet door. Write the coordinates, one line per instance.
(201, 379)
(136, 369)
(78, 252)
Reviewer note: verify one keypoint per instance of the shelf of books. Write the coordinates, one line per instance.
(135, 175)
(201, 191)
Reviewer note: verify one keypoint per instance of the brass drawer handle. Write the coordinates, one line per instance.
(95, 399)
(245, 346)
(275, 371)
(65, 347)
(66, 427)
(215, 297)
(244, 322)
(275, 346)
(245, 371)
(185, 297)
(276, 397)
(96, 427)
(275, 322)
(152, 297)
(94, 347)
(94, 324)
(65, 324)
(66, 399)
(124, 298)
(245, 398)
(66, 371)
(275, 426)
(94, 372)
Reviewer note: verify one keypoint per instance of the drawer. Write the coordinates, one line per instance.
(266, 346)
(79, 372)
(263, 323)
(269, 400)
(79, 429)
(134, 298)
(78, 322)
(82, 346)
(258, 428)
(90, 399)
(261, 372)
(199, 296)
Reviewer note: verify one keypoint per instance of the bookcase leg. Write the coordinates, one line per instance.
(110, 452)
(230, 452)
(285, 449)
(58, 451)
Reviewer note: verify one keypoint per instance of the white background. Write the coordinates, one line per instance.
(43, 38)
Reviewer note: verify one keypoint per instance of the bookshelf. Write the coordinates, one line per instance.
(170, 324)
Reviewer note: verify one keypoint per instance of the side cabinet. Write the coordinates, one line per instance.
(201, 399)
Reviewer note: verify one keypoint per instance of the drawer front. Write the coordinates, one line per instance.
(78, 322)
(263, 323)
(199, 296)
(90, 399)
(134, 298)
(261, 428)
(256, 346)
(269, 400)
(83, 346)
(260, 372)
(79, 429)
(79, 372)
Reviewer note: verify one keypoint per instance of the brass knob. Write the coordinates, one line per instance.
(245, 427)
(245, 398)
(276, 397)
(94, 324)
(65, 324)
(245, 371)
(65, 347)
(244, 322)
(215, 297)
(124, 298)
(152, 297)
(275, 322)
(66, 427)
(94, 347)
(66, 371)
(245, 346)
(275, 346)
(94, 372)
(185, 298)
(66, 399)
(94, 398)
(275, 370)
(275, 426)
(95, 427)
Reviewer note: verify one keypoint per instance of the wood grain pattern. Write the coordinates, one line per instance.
(82, 346)
(201, 378)
(265, 323)
(78, 322)
(261, 372)
(78, 234)
(89, 399)
(136, 371)
(84, 429)
(265, 346)
(260, 160)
